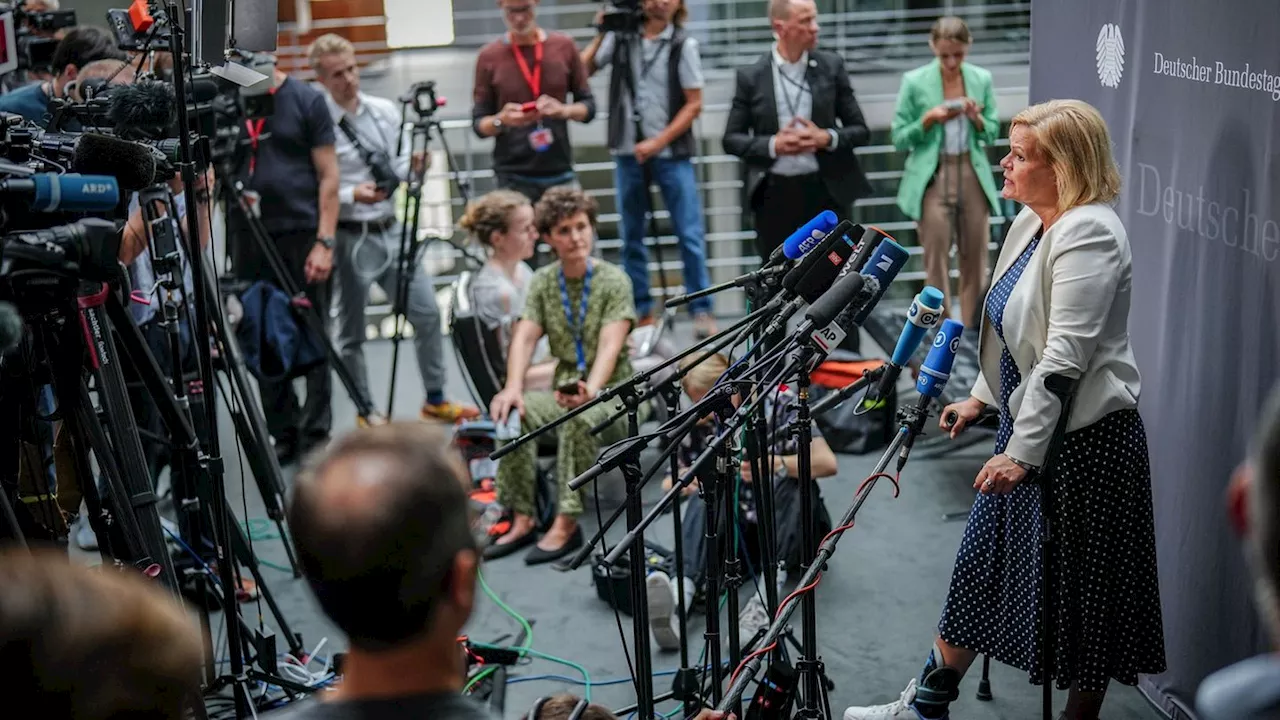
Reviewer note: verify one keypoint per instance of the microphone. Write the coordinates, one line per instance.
(923, 316)
(884, 266)
(805, 238)
(50, 192)
(132, 164)
(871, 238)
(934, 374)
(820, 267)
(10, 327)
(144, 105)
(936, 369)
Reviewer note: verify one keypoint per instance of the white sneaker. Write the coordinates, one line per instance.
(899, 709)
(751, 618)
(86, 539)
(663, 622)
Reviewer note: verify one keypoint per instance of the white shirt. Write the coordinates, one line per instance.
(794, 99)
(956, 136)
(376, 122)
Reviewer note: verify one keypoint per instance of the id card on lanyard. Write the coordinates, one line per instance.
(578, 321)
(541, 137)
(253, 128)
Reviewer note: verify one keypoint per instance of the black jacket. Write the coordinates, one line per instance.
(753, 119)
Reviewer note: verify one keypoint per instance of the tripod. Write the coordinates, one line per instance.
(626, 43)
(410, 244)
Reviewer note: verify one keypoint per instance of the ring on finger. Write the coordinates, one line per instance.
(987, 483)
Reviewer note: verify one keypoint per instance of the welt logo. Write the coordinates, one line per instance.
(1233, 220)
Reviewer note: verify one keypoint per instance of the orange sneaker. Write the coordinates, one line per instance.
(449, 412)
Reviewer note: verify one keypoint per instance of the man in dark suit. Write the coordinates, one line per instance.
(795, 122)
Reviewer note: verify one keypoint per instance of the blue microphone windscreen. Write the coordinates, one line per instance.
(936, 369)
(809, 235)
(72, 192)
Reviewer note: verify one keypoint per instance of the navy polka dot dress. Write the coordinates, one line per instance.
(1106, 597)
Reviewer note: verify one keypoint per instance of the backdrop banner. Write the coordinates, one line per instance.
(1190, 90)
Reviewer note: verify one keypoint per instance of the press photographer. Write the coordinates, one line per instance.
(371, 166)
(80, 47)
(290, 176)
(657, 69)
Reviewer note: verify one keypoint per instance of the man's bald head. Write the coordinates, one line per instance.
(383, 533)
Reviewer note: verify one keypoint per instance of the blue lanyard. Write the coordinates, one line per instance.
(576, 322)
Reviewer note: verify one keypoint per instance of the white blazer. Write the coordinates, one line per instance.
(1068, 314)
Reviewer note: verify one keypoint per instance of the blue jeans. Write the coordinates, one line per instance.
(679, 189)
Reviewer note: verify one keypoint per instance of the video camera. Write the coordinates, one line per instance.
(622, 16)
(28, 37)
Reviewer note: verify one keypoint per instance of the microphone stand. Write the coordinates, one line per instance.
(911, 424)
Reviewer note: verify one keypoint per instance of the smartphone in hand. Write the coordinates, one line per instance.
(570, 388)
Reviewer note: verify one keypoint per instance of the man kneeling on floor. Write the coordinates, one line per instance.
(381, 525)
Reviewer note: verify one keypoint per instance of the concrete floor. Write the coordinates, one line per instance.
(876, 607)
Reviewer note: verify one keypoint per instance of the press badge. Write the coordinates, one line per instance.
(541, 139)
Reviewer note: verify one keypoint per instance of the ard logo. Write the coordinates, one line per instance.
(1110, 55)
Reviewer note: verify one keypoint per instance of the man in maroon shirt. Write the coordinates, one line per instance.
(521, 99)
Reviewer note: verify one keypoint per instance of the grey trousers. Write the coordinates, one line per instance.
(363, 258)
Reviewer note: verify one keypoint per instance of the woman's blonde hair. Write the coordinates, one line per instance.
(491, 214)
(950, 27)
(1073, 138)
(703, 375)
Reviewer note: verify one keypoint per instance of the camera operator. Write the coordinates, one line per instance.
(665, 83)
(523, 80)
(291, 182)
(368, 239)
(80, 46)
(97, 75)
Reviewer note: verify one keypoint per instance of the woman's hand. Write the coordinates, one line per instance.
(999, 476)
(972, 109)
(504, 402)
(569, 402)
(957, 416)
(942, 113)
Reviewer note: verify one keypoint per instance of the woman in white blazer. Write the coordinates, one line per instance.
(1059, 304)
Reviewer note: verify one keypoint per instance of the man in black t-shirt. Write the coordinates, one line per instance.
(291, 180)
(383, 534)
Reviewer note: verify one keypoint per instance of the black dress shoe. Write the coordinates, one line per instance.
(538, 556)
(496, 550)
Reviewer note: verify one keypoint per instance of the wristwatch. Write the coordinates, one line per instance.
(497, 125)
(326, 241)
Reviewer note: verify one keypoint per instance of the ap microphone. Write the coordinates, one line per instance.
(923, 316)
(806, 238)
(132, 164)
(50, 192)
(884, 266)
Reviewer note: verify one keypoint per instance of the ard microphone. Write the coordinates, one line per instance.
(923, 316)
(805, 238)
(49, 192)
(132, 164)
(884, 266)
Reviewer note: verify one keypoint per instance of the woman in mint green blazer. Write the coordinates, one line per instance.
(946, 116)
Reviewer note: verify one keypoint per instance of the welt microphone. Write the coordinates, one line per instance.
(923, 316)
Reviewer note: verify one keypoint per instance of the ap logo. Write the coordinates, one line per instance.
(1110, 55)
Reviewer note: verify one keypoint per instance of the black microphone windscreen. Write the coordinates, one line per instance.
(145, 106)
(792, 280)
(132, 164)
(832, 302)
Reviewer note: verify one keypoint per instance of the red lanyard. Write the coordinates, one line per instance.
(254, 129)
(532, 77)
